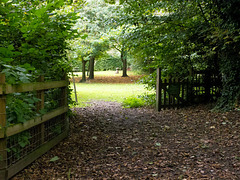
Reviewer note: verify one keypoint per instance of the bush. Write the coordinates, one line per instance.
(133, 102)
(149, 99)
(34, 35)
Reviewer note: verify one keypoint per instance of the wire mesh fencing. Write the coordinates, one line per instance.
(32, 120)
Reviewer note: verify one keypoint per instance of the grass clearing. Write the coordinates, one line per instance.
(107, 92)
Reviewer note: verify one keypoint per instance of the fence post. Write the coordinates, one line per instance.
(165, 94)
(169, 95)
(3, 141)
(179, 95)
(183, 95)
(64, 102)
(159, 90)
(40, 105)
(64, 94)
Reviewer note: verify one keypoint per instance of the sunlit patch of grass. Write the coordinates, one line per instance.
(106, 92)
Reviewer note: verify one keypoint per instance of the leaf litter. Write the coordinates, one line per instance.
(109, 142)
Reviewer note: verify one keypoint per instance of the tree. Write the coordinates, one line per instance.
(117, 42)
(80, 51)
(99, 48)
(96, 22)
(118, 33)
(90, 27)
(181, 35)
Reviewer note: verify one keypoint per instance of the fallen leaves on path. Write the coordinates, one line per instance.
(109, 142)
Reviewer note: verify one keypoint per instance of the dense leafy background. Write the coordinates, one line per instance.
(179, 36)
(33, 36)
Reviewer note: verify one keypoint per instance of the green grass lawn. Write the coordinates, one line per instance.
(107, 92)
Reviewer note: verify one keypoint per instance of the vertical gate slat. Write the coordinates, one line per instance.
(173, 97)
(169, 96)
(159, 90)
(165, 94)
(179, 86)
(40, 105)
(183, 95)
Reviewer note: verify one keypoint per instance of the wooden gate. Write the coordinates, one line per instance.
(202, 86)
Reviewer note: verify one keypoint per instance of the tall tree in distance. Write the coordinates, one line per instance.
(79, 53)
(99, 48)
(117, 41)
(117, 33)
(91, 27)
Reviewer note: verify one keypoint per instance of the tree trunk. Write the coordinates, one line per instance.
(83, 71)
(91, 67)
(124, 60)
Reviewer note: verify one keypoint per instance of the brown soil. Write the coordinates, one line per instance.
(109, 142)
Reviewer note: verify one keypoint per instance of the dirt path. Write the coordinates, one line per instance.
(108, 142)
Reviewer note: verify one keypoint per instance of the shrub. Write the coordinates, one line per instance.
(133, 102)
(149, 99)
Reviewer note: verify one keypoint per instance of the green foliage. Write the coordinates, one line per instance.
(33, 42)
(149, 99)
(231, 88)
(110, 1)
(137, 65)
(149, 80)
(91, 26)
(21, 107)
(178, 36)
(55, 158)
(40, 31)
(57, 129)
(145, 99)
(18, 74)
(22, 139)
(52, 99)
(133, 102)
(108, 63)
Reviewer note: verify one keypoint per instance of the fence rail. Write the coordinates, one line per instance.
(43, 131)
(36, 86)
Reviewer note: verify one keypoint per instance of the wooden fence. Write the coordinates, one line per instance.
(44, 131)
(202, 86)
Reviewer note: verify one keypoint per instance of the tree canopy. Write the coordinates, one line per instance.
(178, 36)
(33, 38)
(90, 26)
